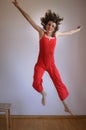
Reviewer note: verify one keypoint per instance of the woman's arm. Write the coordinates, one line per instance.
(27, 16)
(69, 32)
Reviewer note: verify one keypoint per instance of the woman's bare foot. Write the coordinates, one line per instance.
(66, 108)
(43, 100)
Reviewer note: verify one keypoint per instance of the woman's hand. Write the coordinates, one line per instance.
(15, 3)
(79, 27)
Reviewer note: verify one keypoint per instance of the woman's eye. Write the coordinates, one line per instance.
(53, 26)
(49, 25)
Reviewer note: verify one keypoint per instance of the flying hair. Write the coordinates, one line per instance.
(51, 16)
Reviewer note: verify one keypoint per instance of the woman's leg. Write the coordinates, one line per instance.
(37, 82)
(59, 85)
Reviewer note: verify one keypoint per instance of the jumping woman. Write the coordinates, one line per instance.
(45, 62)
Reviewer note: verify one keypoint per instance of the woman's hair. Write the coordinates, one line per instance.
(51, 16)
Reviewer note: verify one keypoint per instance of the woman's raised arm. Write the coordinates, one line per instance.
(69, 32)
(27, 16)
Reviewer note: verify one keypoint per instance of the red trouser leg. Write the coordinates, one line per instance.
(60, 87)
(37, 78)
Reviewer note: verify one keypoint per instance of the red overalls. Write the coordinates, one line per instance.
(45, 62)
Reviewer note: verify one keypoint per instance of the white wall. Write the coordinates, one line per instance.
(19, 51)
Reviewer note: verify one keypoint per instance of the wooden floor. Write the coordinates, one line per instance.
(45, 123)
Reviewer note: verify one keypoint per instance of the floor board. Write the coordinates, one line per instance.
(45, 124)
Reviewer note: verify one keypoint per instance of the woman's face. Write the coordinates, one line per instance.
(50, 27)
